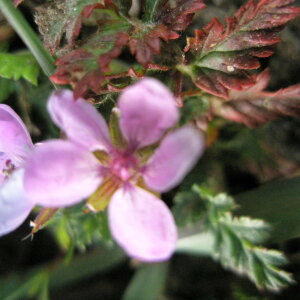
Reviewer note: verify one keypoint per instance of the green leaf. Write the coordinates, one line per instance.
(194, 106)
(233, 242)
(6, 88)
(147, 283)
(188, 208)
(254, 230)
(21, 65)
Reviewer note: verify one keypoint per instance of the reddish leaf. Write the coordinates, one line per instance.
(73, 66)
(91, 81)
(161, 20)
(90, 61)
(105, 59)
(176, 14)
(85, 70)
(144, 46)
(219, 57)
(254, 106)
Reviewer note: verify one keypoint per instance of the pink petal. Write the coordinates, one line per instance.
(148, 109)
(79, 120)
(175, 157)
(142, 224)
(14, 206)
(60, 173)
(15, 140)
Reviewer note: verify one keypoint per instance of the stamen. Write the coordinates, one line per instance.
(102, 156)
(10, 167)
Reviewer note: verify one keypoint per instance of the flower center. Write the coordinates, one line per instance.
(9, 167)
(124, 166)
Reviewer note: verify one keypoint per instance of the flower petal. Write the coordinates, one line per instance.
(60, 173)
(14, 206)
(79, 120)
(148, 109)
(142, 224)
(15, 140)
(176, 155)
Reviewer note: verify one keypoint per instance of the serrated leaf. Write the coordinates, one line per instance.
(62, 18)
(259, 264)
(21, 65)
(220, 57)
(146, 42)
(272, 257)
(220, 204)
(235, 240)
(230, 246)
(85, 66)
(254, 230)
(254, 106)
(176, 15)
(161, 19)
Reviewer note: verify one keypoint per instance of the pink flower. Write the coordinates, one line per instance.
(63, 172)
(15, 146)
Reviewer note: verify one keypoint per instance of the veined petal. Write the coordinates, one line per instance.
(15, 140)
(173, 159)
(60, 173)
(148, 109)
(79, 120)
(14, 205)
(142, 224)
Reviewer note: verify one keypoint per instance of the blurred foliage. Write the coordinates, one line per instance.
(15, 66)
(149, 281)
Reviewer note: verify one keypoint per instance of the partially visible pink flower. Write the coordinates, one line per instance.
(63, 172)
(15, 145)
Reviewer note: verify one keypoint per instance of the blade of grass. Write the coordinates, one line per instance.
(28, 36)
(277, 203)
(147, 283)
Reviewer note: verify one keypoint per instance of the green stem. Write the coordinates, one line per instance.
(29, 37)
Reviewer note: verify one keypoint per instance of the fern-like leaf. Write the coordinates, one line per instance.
(235, 239)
